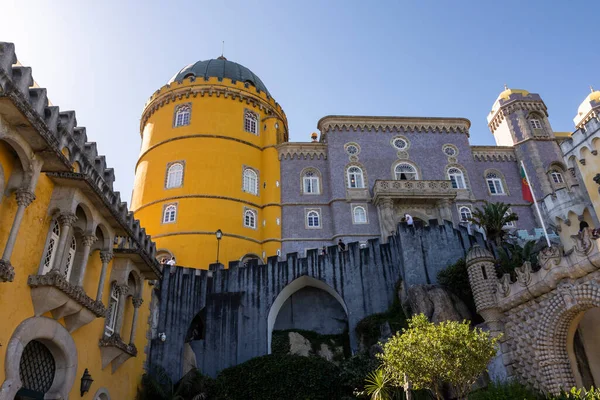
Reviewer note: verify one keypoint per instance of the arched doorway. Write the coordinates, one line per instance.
(36, 370)
(307, 304)
(584, 348)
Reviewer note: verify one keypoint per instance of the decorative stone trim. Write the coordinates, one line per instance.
(493, 153)
(412, 189)
(24, 197)
(302, 151)
(318, 175)
(452, 147)
(137, 302)
(203, 196)
(106, 256)
(403, 138)
(169, 164)
(176, 110)
(255, 212)
(57, 280)
(511, 106)
(319, 216)
(257, 172)
(212, 233)
(116, 341)
(7, 271)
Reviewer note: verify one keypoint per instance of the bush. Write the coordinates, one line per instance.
(276, 377)
(505, 391)
(157, 385)
(353, 371)
(455, 278)
(368, 329)
(579, 394)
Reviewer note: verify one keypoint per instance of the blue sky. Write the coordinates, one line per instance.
(418, 58)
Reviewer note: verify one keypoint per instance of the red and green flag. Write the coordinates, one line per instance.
(525, 188)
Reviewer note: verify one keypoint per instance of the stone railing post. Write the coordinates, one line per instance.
(66, 221)
(137, 302)
(24, 199)
(105, 257)
(88, 241)
(123, 290)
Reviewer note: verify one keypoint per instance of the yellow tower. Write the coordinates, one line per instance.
(209, 162)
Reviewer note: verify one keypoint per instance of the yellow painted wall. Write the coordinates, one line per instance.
(215, 148)
(17, 305)
(589, 171)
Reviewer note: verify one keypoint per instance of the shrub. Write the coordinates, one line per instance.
(353, 371)
(368, 329)
(579, 394)
(276, 377)
(505, 391)
(455, 278)
(157, 385)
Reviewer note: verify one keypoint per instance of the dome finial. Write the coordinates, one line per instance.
(592, 89)
(505, 87)
(222, 57)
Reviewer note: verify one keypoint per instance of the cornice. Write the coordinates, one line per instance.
(493, 153)
(302, 151)
(393, 124)
(206, 196)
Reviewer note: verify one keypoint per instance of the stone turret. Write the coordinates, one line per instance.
(484, 283)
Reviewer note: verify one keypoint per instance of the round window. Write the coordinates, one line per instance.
(449, 151)
(400, 144)
(352, 149)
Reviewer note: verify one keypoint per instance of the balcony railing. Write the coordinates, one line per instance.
(413, 189)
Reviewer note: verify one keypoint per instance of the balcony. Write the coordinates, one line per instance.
(421, 190)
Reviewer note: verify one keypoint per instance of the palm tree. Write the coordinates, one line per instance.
(512, 256)
(377, 385)
(493, 217)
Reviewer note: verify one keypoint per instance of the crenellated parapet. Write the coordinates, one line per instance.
(511, 101)
(493, 153)
(302, 151)
(54, 137)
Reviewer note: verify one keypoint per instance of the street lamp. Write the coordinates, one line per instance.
(86, 382)
(219, 235)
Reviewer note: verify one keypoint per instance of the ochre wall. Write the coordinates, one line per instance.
(17, 305)
(215, 148)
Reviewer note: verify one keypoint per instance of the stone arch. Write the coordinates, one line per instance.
(102, 394)
(569, 301)
(23, 171)
(251, 256)
(288, 291)
(136, 291)
(408, 162)
(103, 235)
(60, 343)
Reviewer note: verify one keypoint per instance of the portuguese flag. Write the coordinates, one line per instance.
(525, 188)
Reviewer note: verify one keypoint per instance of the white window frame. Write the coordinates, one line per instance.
(398, 174)
(51, 248)
(169, 215)
(174, 175)
(355, 220)
(111, 312)
(183, 113)
(457, 177)
(356, 179)
(250, 181)
(70, 258)
(557, 177)
(311, 183)
(535, 123)
(311, 215)
(251, 122)
(460, 214)
(250, 217)
(496, 183)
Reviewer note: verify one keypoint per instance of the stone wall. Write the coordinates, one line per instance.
(241, 304)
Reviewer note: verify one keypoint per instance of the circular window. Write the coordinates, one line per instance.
(352, 149)
(400, 143)
(449, 150)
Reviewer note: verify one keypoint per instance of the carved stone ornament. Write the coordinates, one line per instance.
(549, 257)
(67, 219)
(524, 273)
(583, 242)
(116, 341)
(137, 302)
(504, 285)
(57, 280)
(24, 197)
(106, 256)
(7, 272)
(89, 240)
(122, 289)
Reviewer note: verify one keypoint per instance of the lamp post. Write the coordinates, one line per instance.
(219, 235)
(86, 382)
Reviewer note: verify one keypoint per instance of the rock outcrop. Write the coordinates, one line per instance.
(436, 302)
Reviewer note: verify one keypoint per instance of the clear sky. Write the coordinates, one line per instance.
(103, 59)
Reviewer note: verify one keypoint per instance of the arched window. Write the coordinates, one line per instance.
(557, 176)
(174, 175)
(251, 122)
(170, 213)
(37, 370)
(457, 178)
(310, 182)
(405, 172)
(70, 258)
(359, 215)
(182, 115)
(465, 214)
(355, 178)
(312, 219)
(51, 248)
(250, 219)
(250, 181)
(111, 312)
(494, 183)
(535, 123)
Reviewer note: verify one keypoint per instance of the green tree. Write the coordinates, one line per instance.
(493, 217)
(430, 355)
(512, 256)
(157, 385)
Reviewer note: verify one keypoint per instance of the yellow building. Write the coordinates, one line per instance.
(73, 302)
(209, 162)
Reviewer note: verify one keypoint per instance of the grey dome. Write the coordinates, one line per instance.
(478, 253)
(221, 68)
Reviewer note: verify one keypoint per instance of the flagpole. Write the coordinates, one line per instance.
(536, 204)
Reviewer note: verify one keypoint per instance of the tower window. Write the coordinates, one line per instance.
(183, 113)
(169, 214)
(251, 122)
(535, 123)
(494, 183)
(557, 176)
(51, 248)
(313, 219)
(174, 175)
(457, 178)
(250, 219)
(310, 182)
(355, 178)
(250, 184)
(405, 172)
(359, 215)
(465, 214)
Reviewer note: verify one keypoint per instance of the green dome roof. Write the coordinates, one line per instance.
(221, 68)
